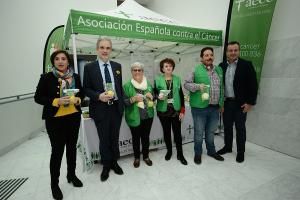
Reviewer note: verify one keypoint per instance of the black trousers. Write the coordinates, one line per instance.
(108, 131)
(233, 115)
(174, 123)
(63, 131)
(141, 133)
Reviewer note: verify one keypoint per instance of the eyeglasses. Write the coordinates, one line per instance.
(137, 70)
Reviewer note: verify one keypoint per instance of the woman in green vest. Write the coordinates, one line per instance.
(205, 84)
(139, 112)
(170, 106)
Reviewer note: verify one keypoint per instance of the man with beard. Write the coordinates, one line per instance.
(205, 84)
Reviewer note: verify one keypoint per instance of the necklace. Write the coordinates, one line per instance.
(169, 84)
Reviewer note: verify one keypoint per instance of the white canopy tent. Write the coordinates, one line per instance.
(136, 31)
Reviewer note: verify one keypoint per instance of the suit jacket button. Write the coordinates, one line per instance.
(57, 92)
(58, 86)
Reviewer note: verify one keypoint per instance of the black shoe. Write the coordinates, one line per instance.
(223, 151)
(182, 159)
(168, 155)
(136, 163)
(56, 192)
(217, 157)
(197, 159)
(105, 174)
(240, 157)
(148, 161)
(117, 169)
(76, 182)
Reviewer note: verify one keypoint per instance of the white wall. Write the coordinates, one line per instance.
(25, 26)
(19, 121)
(206, 14)
(275, 120)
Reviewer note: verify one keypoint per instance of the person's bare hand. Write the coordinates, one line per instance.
(161, 96)
(64, 100)
(246, 107)
(104, 97)
(222, 110)
(149, 95)
(181, 116)
(138, 98)
(201, 86)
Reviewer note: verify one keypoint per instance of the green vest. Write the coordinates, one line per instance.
(160, 83)
(201, 76)
(132, 114)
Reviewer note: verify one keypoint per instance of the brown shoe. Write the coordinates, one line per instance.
(148, 161)
(136, 163)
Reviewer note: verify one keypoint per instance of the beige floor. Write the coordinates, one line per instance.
(265, 175)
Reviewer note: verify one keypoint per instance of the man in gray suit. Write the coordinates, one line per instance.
(102, 83)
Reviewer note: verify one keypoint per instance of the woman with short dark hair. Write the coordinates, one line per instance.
(60, 92)
(170, 106)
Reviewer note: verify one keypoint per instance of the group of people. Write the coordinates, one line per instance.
(230, 88)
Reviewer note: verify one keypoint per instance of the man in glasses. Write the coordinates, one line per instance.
(102, 83)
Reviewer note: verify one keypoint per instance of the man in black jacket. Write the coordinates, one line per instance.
(240, 95)
(102, 83)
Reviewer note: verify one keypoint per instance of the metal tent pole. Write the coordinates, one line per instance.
(74, 53)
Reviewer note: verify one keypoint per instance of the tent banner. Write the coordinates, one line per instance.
(54, 43)
(97, 24)
(250, 25)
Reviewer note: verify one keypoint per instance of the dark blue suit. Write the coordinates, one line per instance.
(107, 117)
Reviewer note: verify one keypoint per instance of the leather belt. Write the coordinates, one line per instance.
(213, 105)
(229, 98)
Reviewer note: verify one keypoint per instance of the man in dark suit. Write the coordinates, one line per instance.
(102, 83)
(240, 95)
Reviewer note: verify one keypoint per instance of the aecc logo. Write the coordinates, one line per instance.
(251, 3)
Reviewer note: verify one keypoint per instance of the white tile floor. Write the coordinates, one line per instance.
(265, 174)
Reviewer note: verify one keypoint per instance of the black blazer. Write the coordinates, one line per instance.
(93, 87)
(48, 89)
(244, 83)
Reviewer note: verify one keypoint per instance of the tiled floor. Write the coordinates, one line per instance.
(265, 174)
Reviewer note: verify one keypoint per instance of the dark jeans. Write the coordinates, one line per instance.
(63, 131)
(174, 123)
(108, 131)
(205, 122)
(233, 115)
(141, 133)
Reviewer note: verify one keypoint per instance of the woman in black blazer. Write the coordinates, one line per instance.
(61, 113)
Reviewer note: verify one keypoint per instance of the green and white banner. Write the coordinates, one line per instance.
(54, 43)
(250, 25)
(98, 24)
